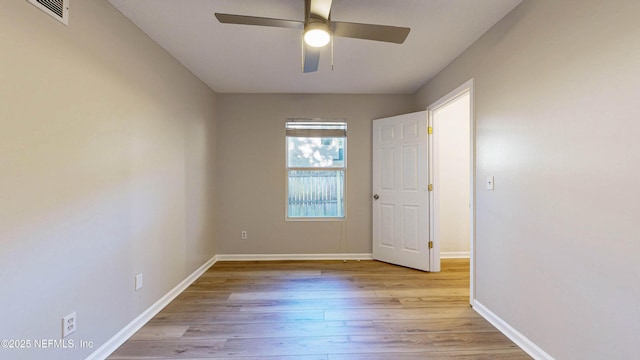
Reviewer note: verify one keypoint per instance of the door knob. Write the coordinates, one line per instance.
(376, 197)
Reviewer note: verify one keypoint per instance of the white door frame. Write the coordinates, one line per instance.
(435, 253)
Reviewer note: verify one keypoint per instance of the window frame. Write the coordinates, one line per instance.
(342, 168)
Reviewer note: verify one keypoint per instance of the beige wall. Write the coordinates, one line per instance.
(252, 175)
(107, 170)
(556, 108)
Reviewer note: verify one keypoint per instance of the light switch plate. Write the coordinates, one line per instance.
(138, 282)
(490, 185)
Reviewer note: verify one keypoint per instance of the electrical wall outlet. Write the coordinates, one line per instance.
(244, 235)
(138, 282)
(69, 324)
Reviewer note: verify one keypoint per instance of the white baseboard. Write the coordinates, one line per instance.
(123, 335)
(271, 257)
(522, 341)
(454, 255)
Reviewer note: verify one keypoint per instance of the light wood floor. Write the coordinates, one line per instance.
(322, 310)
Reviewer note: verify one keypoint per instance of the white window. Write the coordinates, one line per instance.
(316, 166)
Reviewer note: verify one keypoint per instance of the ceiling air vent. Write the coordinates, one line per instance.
(58, 9)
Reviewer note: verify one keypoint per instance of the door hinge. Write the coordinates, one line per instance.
(430, 130)
(430, 187)
(430, 244)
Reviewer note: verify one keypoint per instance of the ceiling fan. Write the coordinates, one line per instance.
(319, 30)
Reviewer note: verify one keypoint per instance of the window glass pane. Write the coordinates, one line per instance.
(316, 193)
(315, 152)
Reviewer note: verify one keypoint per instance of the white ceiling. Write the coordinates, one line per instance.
(251, 59)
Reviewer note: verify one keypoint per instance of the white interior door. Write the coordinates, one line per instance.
(400, 190)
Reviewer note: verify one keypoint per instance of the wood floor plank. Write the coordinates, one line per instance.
(421, 283)
(329, 345)
(300, 284)
(471, 341)
(454, 355)
(160, 332)
(422, 292)
(291, 357)
(202, 297)
(212, 306)
(176, 349)
(276, 295)
(284, 305)
(473, 324)
(400, 314)
(322, 310)
(231, 317)
(234, 273)
(295, 357)
(310, 304)
(280, 329)
(435, 301)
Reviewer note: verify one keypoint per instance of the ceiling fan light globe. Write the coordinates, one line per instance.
(316, 38)
(317, 34)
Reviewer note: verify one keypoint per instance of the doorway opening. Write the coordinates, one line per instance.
(451, 172)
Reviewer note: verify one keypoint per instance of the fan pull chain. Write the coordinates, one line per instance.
(331, 52)
(302, 50)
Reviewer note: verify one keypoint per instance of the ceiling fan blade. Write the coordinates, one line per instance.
(259, 21)
(393, 34)
(311, 58)
(319, 8)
